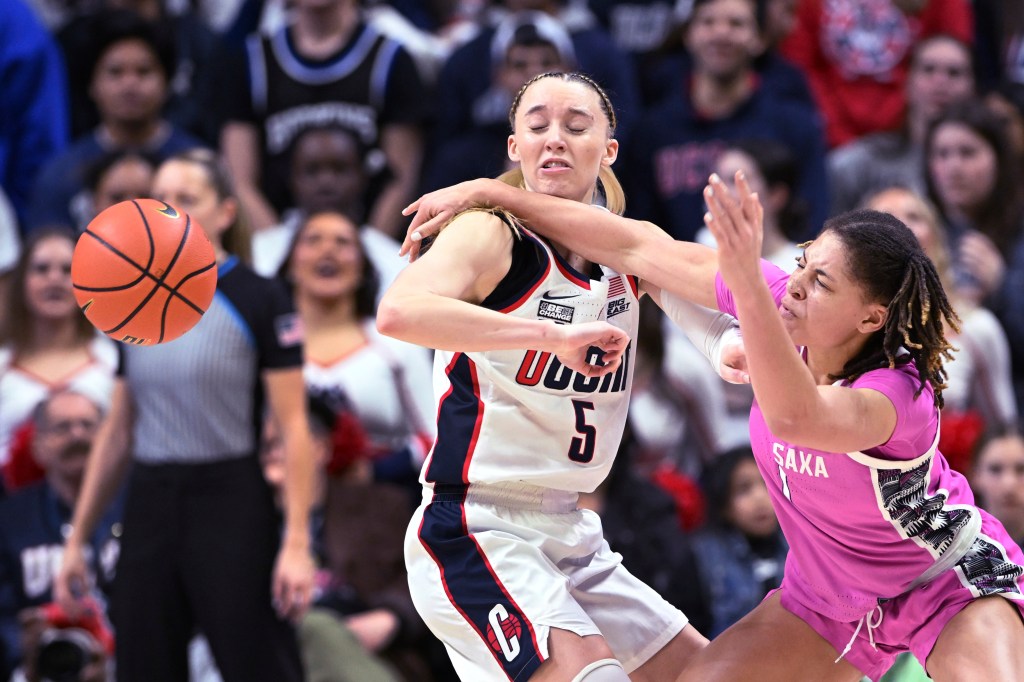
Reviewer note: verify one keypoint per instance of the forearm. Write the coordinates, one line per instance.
(417, 318)
(783, 385)
(299, 483)
(707, 329)
(104, 472)
(629, 246)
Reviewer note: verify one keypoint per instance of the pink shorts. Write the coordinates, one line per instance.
(914, 620)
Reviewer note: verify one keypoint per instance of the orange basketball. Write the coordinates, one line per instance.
(144, 272)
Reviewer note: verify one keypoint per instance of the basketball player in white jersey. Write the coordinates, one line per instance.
(514, 579)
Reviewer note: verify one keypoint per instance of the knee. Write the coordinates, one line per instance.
(604, 670)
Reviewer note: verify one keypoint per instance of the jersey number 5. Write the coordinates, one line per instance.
(582, 447)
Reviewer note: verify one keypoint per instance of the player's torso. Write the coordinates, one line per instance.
(520, 415)
(862, 528)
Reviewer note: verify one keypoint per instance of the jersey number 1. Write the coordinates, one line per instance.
(582, 447)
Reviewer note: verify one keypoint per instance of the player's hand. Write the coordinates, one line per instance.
(983, 260)
(593, 349)
(736, 222)
(374, 629)
(294, 573)
(435, 209)
(732, 365)
(72, 581)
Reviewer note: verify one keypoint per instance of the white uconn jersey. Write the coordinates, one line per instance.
(520, 415)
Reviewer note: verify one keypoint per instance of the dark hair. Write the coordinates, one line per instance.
(97, 170)
(236, 238)
(999, 216)
(760, 13)
(374, 164)
(778, 166)
(990, 435)
(885, 258)
(16, 328)
(369, 284)
(110, 26)
(716, 483)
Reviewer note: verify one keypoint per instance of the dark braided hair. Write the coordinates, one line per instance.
(885, 258)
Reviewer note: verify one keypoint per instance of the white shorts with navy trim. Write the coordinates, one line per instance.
(492, 569)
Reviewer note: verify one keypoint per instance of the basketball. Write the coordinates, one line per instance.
(143, 272)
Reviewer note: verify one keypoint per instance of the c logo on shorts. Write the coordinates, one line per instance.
(503, 632)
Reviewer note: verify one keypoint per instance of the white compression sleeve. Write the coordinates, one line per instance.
(709, 330)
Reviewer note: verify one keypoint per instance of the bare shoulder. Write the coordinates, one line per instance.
(480, 229)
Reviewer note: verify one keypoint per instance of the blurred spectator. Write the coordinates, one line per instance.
(335, 290)
(999, 44)
(468, 73)
(998, 478)
(128, 80)
(741, 553)
(979, 387)
(640, 523)
(327, 66)
(940, 74)
(856, 53)
(34, 124)
(975, 180)
(677, 413)
(638, 27)
(772, 172)
(191, 78)
(331, 169)
(117, 177)
(185, 416)
(46, 343)
(524, 45)
(678, 142)
(35, 520)
(777, 74)
(10, 250)
(330, 650)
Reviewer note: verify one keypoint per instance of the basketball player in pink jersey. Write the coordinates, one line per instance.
(504, 568)
(888, 551)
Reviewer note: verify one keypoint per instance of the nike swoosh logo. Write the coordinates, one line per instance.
(548, 296)
(168, 210)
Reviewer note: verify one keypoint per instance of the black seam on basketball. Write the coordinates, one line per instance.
(174, 291)
(159, 283)
(148, 236)
(144, 275)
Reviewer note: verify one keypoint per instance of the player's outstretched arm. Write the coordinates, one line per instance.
(104, 470)
(294, 569)
(435, 302)
(796, 408)
(635, 247)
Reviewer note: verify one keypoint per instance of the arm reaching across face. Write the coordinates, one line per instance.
(449, 283)
(631, 246)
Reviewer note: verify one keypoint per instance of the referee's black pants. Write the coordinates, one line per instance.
(198, 552)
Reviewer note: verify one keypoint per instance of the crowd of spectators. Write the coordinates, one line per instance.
(329, 117)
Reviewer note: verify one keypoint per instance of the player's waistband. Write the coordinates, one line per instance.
(510, 495)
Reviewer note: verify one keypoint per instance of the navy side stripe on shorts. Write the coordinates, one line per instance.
(475, 590)
(458, 424)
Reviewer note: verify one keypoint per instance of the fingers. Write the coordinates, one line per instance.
(734, 375)
(412, 208)
(291, 599)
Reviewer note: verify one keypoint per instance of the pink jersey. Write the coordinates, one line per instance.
(865, 526)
